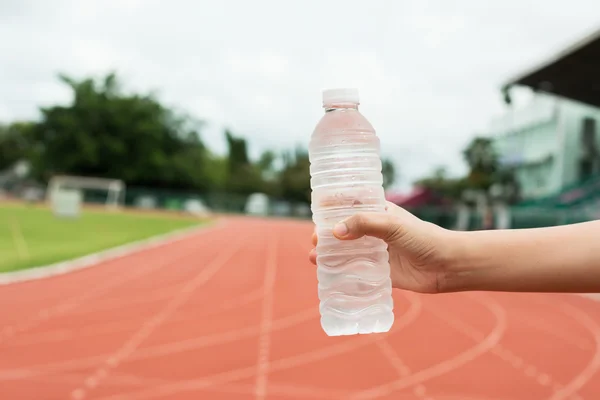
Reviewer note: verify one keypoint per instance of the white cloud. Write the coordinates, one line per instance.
(429, 73)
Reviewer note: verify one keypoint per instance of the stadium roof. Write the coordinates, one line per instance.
(573, 73)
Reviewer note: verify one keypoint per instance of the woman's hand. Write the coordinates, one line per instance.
(419, 251)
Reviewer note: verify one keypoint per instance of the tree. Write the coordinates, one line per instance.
(218, 167)
(295, 176)
(243, 177)
(266, 164)
(267, 158)
(480, 155)
(238, 151)
(389, 172)
(486, 173)
(107, 133)
(439, 182)
(16, 143)
(482, 161)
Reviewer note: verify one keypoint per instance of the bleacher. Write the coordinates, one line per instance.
(576, 196)
(576, 203)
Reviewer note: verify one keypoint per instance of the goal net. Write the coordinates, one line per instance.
(110, 192)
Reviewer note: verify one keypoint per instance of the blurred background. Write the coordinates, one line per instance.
(487, 113)
(130, 119)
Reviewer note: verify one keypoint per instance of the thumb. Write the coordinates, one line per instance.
(380, 225)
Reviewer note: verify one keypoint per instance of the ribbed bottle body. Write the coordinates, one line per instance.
(355, 289)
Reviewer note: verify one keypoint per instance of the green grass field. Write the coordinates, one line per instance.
(33, 236)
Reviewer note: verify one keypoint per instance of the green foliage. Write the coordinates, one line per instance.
(388, 171)
(483, 163)
(243, 177)
(295, 176)
(107, 132)
(266, 163)
(48, 239)
(442, 184)
(16, 143)
(484, 172)
(238, 151)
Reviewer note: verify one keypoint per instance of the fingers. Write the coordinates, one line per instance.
(385, 226)
(380, 225)
(312, 256)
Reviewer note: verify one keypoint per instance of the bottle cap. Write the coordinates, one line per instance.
(341, 95)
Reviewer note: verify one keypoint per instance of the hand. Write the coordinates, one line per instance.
(419, 251)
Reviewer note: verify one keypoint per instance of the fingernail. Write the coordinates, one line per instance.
(340, 229)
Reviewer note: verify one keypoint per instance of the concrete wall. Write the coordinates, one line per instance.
(542, 142)
(573, 125)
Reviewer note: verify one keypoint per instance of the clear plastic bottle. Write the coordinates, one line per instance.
(354, 276)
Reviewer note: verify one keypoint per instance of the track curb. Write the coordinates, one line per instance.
(90, 260)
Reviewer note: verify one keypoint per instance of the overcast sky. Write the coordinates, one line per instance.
(428, 72)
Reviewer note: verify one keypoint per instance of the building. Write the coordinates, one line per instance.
(553, 143)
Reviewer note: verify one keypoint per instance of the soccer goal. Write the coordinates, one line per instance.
(112, 190)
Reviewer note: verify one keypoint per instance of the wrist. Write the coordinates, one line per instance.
(462, 263)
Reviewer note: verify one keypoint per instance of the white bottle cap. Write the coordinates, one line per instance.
(342, 95)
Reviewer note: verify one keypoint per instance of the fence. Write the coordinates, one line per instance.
(528, 216)
(519, 217)
(219, 202)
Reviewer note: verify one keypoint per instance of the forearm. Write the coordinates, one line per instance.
(556, 259)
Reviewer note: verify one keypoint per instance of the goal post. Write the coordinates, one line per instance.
(114, 188)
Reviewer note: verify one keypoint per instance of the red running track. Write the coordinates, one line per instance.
(232, 313)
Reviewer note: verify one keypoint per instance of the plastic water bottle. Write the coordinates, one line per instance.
(355, 289)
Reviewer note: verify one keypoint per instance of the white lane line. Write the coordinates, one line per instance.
(121, 302)
(116, 379)
(483, 346)
(277, 389)
(420, 391)
(390, 354)
(531, 371)
(158, 350)
(508, 356)
(266, 321)
(150, 326)
(283, 390)
(276, 365)
(116, 326)
(19, 239)
(399, 366)
(117, 303)
(571, 388)
(543, 379)
(75, 301)
(170, 348)
(90, 260)
(519, 364)
(542, 325)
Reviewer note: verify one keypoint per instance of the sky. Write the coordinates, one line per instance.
(429, 73)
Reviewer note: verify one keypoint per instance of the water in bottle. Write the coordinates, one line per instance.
(355, 289)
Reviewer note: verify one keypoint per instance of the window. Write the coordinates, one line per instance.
(589, 155)
(586, 169)
(588, 132)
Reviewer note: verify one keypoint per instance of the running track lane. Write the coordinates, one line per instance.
(232, 313)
